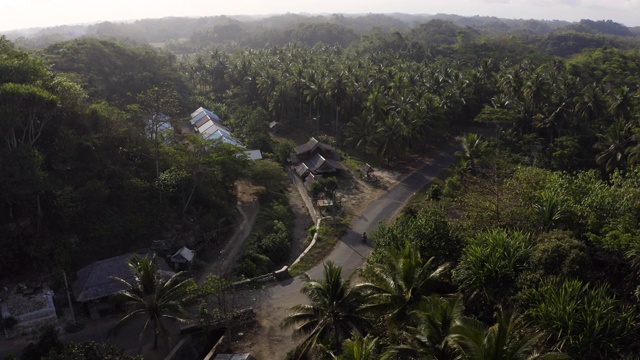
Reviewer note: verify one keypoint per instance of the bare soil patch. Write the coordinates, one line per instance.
(357, 193)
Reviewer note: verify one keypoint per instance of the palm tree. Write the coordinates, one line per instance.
(633, 151)
(436, 317)
(399, 285)
(613, 145)
(622, 103)
(590, 104)
(359, 348)
(361, 131)
(536, 89)
(315, 90)
(152, 297)
(503, 341)
(473, 148)
(391, 139)
(334, 312)
(337, 93)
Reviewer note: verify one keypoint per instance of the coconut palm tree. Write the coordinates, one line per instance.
(429, 339)
(590, 103)
(505, 340)
(613, 145)
(622, 103)
(397, 287)
(391, 139)
(535, 89)
(360, 348)
(361, 131)
(152, 297)
(474, 146)
(333, 315)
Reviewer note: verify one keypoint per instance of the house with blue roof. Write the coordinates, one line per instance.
(210, 127)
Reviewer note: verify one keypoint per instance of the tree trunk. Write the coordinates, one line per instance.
(337, 123)
(193, 189)
(39, 214)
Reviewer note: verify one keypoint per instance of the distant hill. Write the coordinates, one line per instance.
(185, 35)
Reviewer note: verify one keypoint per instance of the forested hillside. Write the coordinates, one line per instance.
(533, 237)
(79, 175)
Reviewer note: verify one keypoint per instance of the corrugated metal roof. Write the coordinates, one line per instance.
(202, 112)
(185, 253)
(96, 280)
(254, 154)
(224, 136)
(308, 146)
(318, 161)
(209, 128)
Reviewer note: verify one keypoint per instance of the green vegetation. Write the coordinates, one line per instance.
(331, 230)
(539, 219)
(269, 244)
(333, 314)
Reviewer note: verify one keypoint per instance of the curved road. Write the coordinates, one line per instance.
(349, 253)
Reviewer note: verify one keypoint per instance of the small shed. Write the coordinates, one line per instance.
(254, 154)
(275, 127)
(183, 258)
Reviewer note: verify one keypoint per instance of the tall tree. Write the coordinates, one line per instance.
(24, 111)
(157, 106)
(154, 298)
(430, 337)
(333, 315)
(398, 285)
(613, 146)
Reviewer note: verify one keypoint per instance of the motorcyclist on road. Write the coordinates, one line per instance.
(364, 237)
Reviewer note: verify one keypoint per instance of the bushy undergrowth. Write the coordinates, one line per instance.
(269, 244)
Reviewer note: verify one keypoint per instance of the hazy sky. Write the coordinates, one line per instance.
(18, 14)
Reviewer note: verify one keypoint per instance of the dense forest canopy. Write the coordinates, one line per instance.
(539, 216)
(77, 160)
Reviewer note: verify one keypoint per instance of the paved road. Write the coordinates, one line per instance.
(350, 252)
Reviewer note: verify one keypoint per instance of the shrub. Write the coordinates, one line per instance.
(492, 262)
(583, 321)
(559, 253)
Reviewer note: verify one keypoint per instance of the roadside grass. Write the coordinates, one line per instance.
(424, 195)
(355, 159)
(328, 236)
